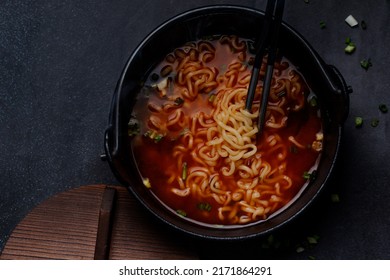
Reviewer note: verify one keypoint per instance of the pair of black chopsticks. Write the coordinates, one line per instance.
(267, 43)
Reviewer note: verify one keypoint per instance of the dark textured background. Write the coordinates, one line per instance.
(59, 64)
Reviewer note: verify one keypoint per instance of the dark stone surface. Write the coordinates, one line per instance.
(59, 64)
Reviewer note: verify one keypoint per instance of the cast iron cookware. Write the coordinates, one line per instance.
(324, 80)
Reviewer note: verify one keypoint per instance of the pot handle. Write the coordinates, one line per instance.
(111, 135)
(340, 91)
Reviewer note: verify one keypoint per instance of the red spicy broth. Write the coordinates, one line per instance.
(196, 145)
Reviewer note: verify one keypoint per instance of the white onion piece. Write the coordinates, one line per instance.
(351, 21)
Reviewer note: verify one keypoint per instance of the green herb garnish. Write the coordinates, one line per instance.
(358, 121)
(313, 239)
(299, 249)
(181, 213)
(212, 98)
(383, 108)
(310, 176)
(204, 206)
(351, 47)
(179, 101)
(184, 131)
(184, 171)
(374, 122)
(365, 63)
(306, 175)
(322, 24)
(158, 138)
(154, 135)
(335, 198)
(133, 127)
(313, 101)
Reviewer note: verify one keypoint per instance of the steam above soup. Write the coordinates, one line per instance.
(197, 147)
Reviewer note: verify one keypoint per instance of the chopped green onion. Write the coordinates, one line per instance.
(322, 24)
(181, 212)
(272, 243)
(204, 206)
(179, 101)
(133, 127)
(310, 176)
(212, 98)
(158, 138)
(306, 175)
(383, 108)
(374, 122)
(184, 171)
(351, 47)
(271, 239)
(365, 63)
(184, 131)
(281, 94)
(363, 24)
(335, 198)
(154, 135)
(312, 239)
(358, 121)
(313, 101)
(300, 249)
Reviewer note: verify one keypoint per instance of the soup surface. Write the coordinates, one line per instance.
(197, 147)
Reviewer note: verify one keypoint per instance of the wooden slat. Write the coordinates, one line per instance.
(137, 235)
(62, 227)
(106, 214)
(66, 225)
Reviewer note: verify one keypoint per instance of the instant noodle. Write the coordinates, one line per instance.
(197, 147)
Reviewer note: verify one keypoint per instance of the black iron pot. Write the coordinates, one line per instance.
(324, 80)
